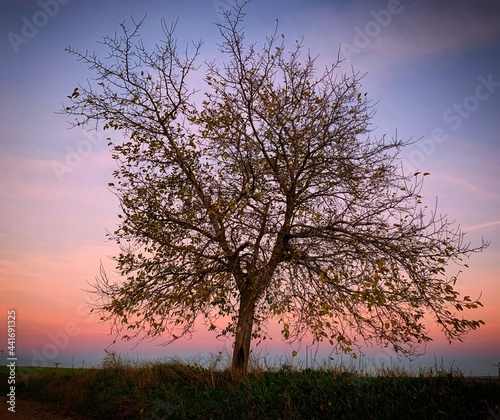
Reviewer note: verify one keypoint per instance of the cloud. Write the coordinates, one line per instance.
(40, 213)
(433, 27)
(373, 37)
(481, 226)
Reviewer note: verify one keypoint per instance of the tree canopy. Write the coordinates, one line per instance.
(269, 197)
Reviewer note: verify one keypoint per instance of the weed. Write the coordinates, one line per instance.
(123, 389)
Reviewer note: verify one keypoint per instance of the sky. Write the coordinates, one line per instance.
(432, 69)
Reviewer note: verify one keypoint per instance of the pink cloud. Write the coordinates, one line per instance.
(481, 226)
(432, 27)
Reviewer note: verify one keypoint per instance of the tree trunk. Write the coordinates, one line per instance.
(241, 352)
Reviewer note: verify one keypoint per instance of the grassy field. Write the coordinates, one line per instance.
(161, 390)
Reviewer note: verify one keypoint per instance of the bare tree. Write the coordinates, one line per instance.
(268, 198)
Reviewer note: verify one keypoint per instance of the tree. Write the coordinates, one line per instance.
(267, 198)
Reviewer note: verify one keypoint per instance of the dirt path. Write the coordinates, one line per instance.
(30, 408)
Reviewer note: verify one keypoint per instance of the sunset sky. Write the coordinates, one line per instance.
(432, 68)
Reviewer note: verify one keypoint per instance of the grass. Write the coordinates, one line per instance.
(173, 389)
